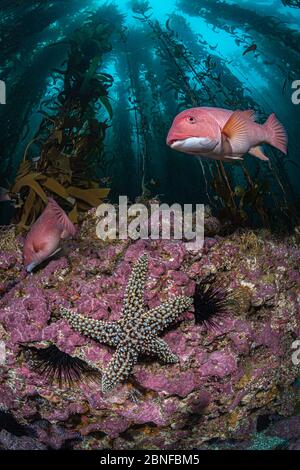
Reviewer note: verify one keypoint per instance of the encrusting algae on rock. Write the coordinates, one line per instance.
(225, 379)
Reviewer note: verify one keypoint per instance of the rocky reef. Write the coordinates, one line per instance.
(235, 384)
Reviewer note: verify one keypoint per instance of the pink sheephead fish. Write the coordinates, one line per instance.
(44, 236)
(221, 134)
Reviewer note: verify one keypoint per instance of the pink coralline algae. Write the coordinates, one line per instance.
(226, 378)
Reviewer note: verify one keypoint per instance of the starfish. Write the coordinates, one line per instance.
(137, 330)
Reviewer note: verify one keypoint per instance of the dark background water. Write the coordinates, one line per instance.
(160, 58)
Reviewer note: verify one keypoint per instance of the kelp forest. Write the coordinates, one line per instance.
(93, 90)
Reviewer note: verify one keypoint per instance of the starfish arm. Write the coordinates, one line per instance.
(159, 318)
(107, 333)
(159, 348)
(134, 294)
(119, 367)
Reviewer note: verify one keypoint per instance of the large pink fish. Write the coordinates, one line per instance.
(221, 134)
(44, 236)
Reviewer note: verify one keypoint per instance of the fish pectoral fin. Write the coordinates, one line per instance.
(257, 152)
(235, 129)
(231, 158)
(54, 252)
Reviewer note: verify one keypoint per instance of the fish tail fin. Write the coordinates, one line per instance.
(276, 133)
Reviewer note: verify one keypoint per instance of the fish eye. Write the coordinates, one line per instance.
(191, 119)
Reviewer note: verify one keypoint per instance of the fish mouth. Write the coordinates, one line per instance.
(30, 267)
(194, 145)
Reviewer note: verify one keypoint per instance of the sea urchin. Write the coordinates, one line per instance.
(58, 366)
(210, 303)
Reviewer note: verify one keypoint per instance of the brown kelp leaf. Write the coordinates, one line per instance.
(102, 193)
(57, 188)
(92, 196)
(24, 169)
(59, 135)
(82, 206)
(30, 181)
(62, 162)
(53, 153)
(37, 208)
(73, 215)
(22, 181)
(27, 208)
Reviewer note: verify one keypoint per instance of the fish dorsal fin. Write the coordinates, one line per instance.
(235, 128)
(68, 229)
(257, 152)
(249, 114)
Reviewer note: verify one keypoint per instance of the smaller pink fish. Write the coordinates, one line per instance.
(44, 236)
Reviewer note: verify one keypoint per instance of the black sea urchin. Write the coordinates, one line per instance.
(210, 303)
(56, 365)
